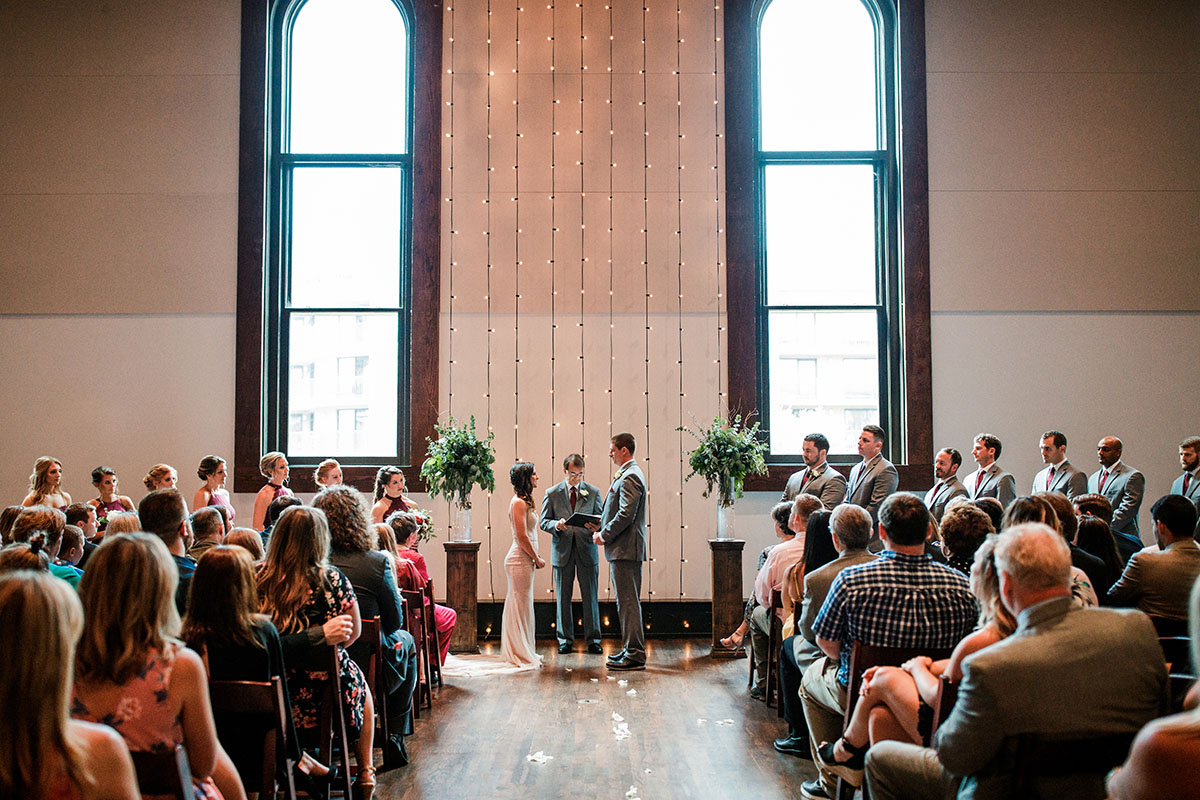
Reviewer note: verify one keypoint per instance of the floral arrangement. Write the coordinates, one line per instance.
(729, 450)
(425, 529)
(457, 461)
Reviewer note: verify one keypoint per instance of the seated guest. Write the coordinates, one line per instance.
(389, 494)
(352, 550)
(1094, 538)
(407, 530)
(313, 606)
(45, 485)
(992, 507)
(1066, 673)
(83, 515)
(7, 517)
(70, 549)
(782, 557)
(1094, 505)
(1068, 525)
(50, 521)
(213, 493)
(224, 511)
(1036, 509)
(1164, 761)
(780, 514)
(105, 481)
(275, 510)
(964, 527)
(208, 531)
(43, 752)
(274, 467)
(248, 540)
(161, 476)
(328, 473)
(850, 532)
(990, 480)
(1159, 583)
(26, 555)
(131, 672)
(127, 522)
(239, 644)
(901, 599)
(163, 513)
(897, 703)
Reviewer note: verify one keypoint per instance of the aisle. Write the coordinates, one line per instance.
(692, 733)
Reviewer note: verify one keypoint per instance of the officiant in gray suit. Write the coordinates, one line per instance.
(573, 553)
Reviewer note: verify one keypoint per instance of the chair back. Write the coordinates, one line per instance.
(1169, 626)
(372, 641)
(260, 703)
(1036, 757)
(435, 638)
(419, 622)
(332, 727)
(947, 696)
(164, 773)
(1177, 650)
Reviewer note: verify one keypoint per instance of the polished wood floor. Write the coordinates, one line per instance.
(475, 743)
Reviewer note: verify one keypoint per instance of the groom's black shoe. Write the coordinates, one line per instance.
(594, 648)
(626, 663)
(617, 656)
(564, 647)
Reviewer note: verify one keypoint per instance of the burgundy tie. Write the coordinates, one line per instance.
(978, 481)
(1187, 481)
(1050, 478)
(808, 476)
(574, 497)
(1103, 479)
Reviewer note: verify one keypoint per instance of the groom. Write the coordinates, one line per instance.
(573, 552)
(622, 531)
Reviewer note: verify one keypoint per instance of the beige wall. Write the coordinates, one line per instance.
(1064, 194)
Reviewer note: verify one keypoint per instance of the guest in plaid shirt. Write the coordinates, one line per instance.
(902, 599)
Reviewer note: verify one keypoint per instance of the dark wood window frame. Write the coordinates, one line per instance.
(254, 203)
(910, 447)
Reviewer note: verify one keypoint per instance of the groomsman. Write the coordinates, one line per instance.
(622, 531)
(874, 478)
(1059, 474)
(1123, 487)
(817, 477)
(989, 480)
(948, 486)
(573, 553)
(1188, 484)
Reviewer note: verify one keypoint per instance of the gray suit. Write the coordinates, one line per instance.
(1067, 480)
(941, 494)
(816, 589)
(1193, 492)
(996, 483)
(1159, 582)
(573, 553)
(1124, 488)
(1065, 673)
(870, 487)
(623, 529)
(825, 483)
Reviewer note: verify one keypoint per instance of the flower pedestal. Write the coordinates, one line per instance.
(728, 603)
(462, 580)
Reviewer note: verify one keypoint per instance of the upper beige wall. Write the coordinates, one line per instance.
(118, 178)
(1064, 159)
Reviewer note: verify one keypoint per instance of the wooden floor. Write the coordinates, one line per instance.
(476, 741)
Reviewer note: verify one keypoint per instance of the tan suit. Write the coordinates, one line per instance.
(1159, 582)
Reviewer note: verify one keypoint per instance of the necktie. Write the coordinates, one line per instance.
(937, 490)
(574, 497)
(1103, 478)
(808, 476)
(978, 480)
(1187, 481)
(1050, 478)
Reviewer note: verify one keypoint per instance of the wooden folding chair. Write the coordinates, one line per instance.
(415, 621)
(774, 638)
(435, 638)
(1169, 626)
(260, 703)
(1083, 760)
(373, 668)
(164, 773)
(947, 697)
(862, 658)
(1177, 651)
(331, 732)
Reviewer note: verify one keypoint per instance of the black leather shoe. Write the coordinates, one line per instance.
(758, 694)
(617, 656)
(564, 647)
(813, 790)
(595, 649)
(794, 746)
(395, 752)
(626, 663)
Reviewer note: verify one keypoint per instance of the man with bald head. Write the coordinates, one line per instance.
(1124, 487)
(1067, 673)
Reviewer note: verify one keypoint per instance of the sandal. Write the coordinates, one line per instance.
(733, 641)
(364, 784)
(850, 769)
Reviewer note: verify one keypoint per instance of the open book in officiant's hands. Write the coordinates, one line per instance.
(580, 520)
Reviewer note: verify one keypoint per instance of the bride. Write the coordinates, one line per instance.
(516, 644)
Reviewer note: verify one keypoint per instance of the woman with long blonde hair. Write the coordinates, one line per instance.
(310, 602)
(44, 754)
(45, 485)
(274, 467)
(131, 671)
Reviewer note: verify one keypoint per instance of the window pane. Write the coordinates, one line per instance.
(820, 221)
(817, 73)
(348, 78)
(824, 377)
(346, 237)
(348, 407)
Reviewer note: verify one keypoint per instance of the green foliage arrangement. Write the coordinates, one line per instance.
(728, 451)
(457, 461)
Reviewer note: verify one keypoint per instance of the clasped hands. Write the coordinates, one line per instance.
(913, 664)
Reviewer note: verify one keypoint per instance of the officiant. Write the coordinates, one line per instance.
(573, 553)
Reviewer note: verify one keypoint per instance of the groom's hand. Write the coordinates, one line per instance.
(592, 526)
(597, 538)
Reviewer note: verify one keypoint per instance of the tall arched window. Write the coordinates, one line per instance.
(817, 227)
(341, 221)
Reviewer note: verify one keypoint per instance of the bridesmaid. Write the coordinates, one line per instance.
(161, 476)
(329, 473)
(389, 494)
(105, 480)
(274, 467)
(213, 493)
(45, 485)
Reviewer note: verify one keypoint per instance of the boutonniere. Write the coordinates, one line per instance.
(583, 492)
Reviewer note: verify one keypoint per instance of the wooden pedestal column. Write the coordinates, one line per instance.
(728, 604)
(462, 578)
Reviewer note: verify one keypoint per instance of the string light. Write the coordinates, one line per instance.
(490, 330)
(717, 20)
(582, 240)
(553, 217)
(611, 165)
(646, 273)
(679, 270)
(453, 233)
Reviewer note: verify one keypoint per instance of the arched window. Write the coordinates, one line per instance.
(342, 217)
(817, 251)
